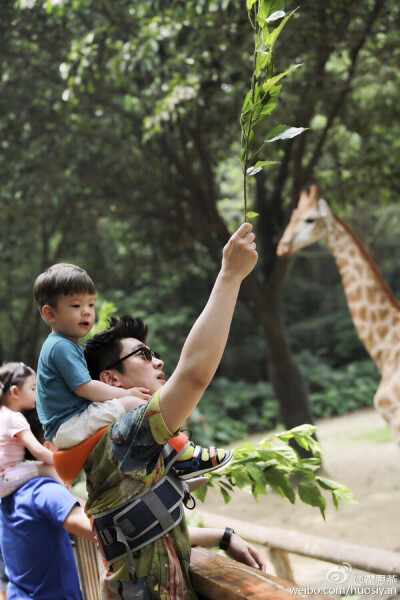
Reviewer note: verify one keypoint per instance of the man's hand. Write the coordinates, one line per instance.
(238, 549)
(240, 255)
(241, 551)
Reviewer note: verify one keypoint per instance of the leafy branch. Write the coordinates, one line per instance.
(271, 463)
(267, 19)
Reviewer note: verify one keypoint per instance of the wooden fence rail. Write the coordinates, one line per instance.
(216, 577)
(282, 541)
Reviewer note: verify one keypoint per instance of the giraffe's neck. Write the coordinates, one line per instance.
(375, 310)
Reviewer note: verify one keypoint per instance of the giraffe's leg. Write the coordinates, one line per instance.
(387, 403)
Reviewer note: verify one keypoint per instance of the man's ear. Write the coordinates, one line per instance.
(110, 378)
(48, 313)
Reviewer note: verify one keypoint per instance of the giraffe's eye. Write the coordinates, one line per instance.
(310, 220)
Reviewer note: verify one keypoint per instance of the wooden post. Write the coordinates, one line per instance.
(281, 562)
(87, 560)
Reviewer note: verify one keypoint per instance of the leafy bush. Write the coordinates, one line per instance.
(273, 464)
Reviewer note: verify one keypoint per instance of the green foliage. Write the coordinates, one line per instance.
(272, 463)
(232, 410)
(104, 310)
(119, 132)
(267, 19)
(339, 391)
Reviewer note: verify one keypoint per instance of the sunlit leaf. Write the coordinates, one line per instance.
(253, 170)
(283, 132)
(275, 16)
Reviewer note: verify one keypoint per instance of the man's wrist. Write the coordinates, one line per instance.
(226, 538)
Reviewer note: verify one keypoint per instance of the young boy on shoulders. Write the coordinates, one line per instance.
(70, 405)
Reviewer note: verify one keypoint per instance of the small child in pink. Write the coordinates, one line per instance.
(17, 393)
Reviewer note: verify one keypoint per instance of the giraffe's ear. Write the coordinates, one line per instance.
(323, 208)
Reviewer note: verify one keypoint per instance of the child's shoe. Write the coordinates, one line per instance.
(203, 460)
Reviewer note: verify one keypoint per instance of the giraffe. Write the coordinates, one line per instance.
(373, 306)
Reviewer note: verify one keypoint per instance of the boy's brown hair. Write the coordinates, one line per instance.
(62, 279)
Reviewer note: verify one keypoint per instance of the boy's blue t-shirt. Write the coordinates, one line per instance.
(37, 549)
(61, 368)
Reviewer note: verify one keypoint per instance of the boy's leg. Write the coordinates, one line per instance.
(87, 422)
(194, 460)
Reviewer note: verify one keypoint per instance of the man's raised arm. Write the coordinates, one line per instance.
(206, 341)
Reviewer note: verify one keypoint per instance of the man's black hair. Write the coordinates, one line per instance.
(104, 348)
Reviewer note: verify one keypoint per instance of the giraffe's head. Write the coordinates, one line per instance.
(308, 223)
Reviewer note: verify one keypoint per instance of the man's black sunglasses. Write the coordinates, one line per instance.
(144, 351)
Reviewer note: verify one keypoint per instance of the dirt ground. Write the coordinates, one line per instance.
(359, 451)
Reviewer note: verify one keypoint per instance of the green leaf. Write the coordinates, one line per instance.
(345, 495)
(310, 494)
(278, 14)
(253, 170)
(268, 7)
(280, 483)
(251, 215)
(302, 441)
(283, 132)
(269, 103)
(259, 167)
(264, 163)
(246, 103)
(282, 454)
(250, 3)
(257, 475)
(273, 36)
(225, 495)
(328, 484)
(305, 429)
(201, 493)
(269, 83)
(240, 478)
